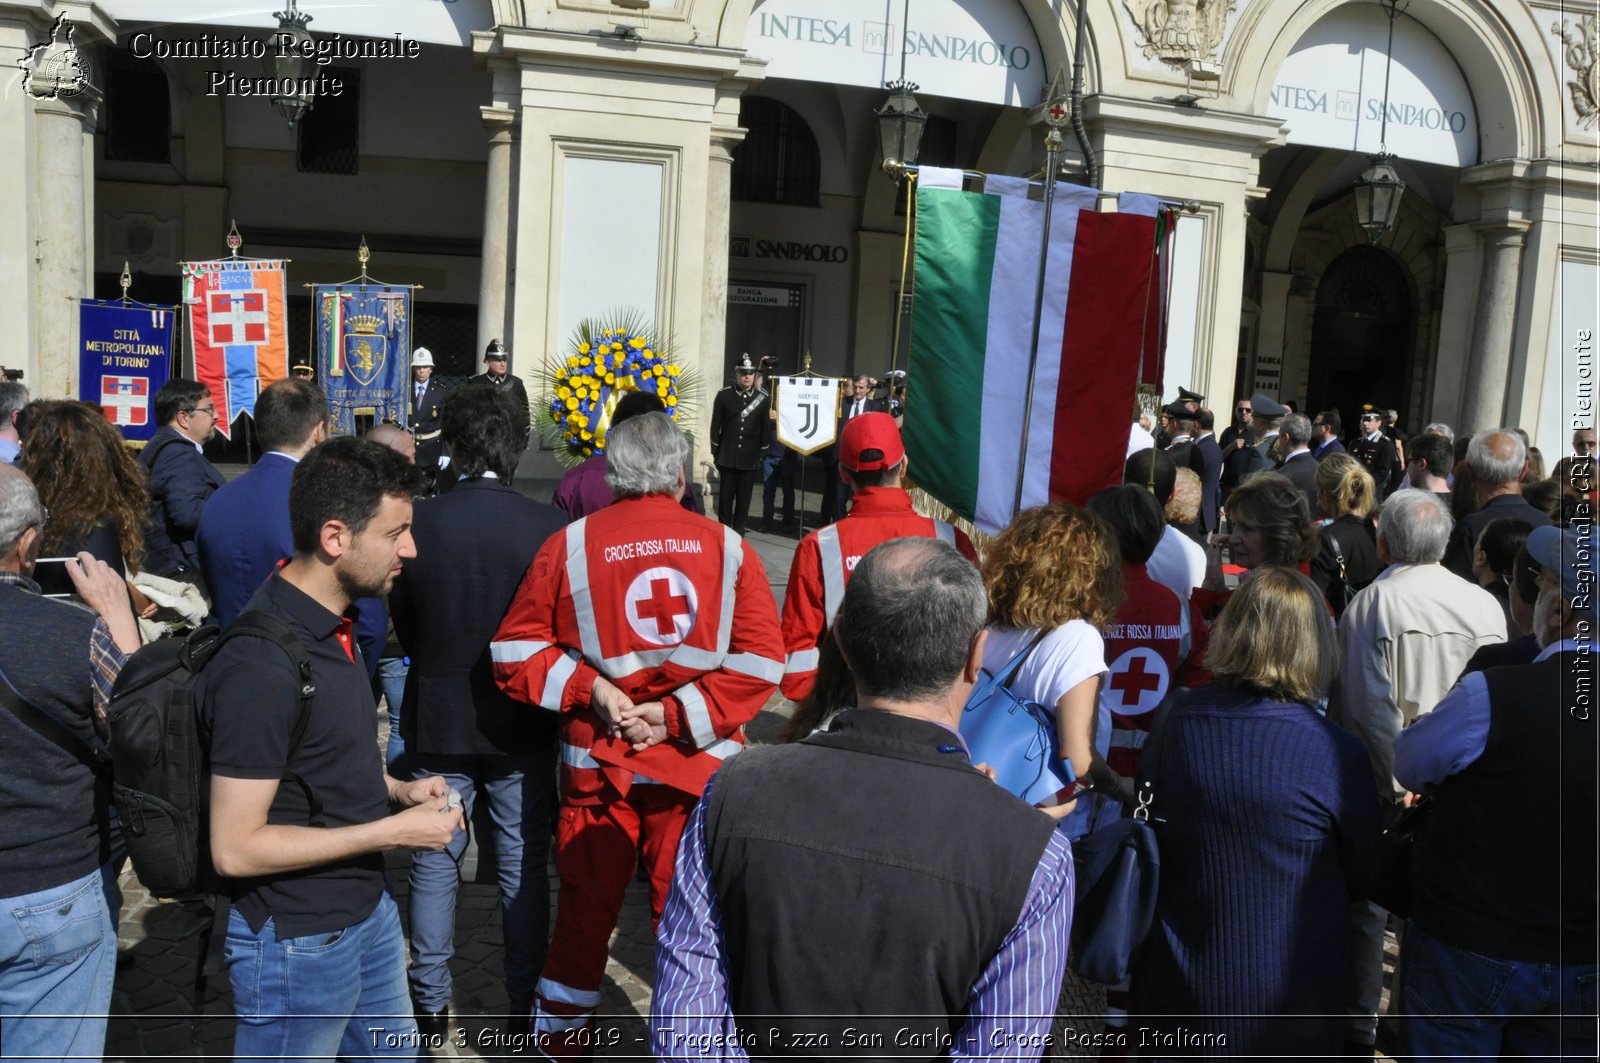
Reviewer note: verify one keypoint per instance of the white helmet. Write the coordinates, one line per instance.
(422, 358)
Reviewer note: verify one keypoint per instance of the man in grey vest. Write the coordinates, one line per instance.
(868, 891)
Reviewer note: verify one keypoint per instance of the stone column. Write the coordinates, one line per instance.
(1489, 365)
(64, 188)
(1458, 303)
(719, 199)
(494, 278)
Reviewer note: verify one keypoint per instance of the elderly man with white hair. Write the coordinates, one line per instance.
(1402, 643)
(1498, 460)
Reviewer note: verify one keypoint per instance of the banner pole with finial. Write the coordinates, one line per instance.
(126, 280)
(235, 241)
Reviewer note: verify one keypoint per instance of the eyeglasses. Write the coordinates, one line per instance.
(1245, 409)
(209, 411)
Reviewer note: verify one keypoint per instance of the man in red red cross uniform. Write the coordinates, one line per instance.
(653, 632)
(872, 462)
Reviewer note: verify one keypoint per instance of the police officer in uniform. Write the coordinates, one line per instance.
(496, 373)
(738, 429)
(1375, 450)
(426, 395)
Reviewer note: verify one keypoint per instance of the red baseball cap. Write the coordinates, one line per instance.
(871, 441)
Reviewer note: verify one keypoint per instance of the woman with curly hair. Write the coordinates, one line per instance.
(90, 484)
(1055, 580)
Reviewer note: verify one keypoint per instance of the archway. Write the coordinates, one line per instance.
(1361, 334)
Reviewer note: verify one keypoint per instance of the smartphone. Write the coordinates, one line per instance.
(50, 573)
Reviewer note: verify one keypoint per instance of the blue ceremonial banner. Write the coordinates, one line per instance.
(125, 356)
(363, 346)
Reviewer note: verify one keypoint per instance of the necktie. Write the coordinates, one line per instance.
(855, 411)
(420, 389)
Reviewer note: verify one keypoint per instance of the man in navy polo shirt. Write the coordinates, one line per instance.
(314, 949)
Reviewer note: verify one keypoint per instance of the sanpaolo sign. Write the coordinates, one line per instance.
(965, 49)
(1329, 91)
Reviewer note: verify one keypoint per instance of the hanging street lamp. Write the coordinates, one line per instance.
(1379, 188)
(288, 61)
(900, 122)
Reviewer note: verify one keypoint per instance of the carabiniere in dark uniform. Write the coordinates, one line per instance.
(738, 430)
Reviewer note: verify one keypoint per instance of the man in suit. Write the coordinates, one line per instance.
(426, 395)
(244, 534)
(1325, 432)
(179, 477)
(1181, 427)
(1211, 456)
(496, 373)
(1298, 466)
(473, 547)
(1498, 460)
(1375, 450)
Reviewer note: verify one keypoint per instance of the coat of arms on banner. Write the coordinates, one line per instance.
(363, 336)
(808, 412)
(126, 355)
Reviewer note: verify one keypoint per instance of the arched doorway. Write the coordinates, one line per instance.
(1361, 334)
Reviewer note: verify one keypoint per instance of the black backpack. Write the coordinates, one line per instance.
(159, 752)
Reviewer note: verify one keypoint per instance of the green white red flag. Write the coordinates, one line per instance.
(977, 263)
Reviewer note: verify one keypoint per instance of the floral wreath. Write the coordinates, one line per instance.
(609, 358)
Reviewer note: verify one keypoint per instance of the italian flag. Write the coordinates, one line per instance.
(977, 264)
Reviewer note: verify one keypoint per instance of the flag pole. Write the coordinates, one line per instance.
(1055, 116)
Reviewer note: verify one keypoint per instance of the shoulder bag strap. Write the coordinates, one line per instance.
(49, 728)
(257, 624)
(1009, 672)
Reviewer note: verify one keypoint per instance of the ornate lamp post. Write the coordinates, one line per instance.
(1378, 190)
(288, 60)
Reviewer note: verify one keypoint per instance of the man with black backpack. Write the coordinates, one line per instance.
(300, 803)
(58, 938)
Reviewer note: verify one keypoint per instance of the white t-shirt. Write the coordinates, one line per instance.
(1064, 658)
(1179, 563)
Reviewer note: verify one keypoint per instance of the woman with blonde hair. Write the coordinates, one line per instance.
(1347, 555)
(1268, 827)
(1055, 580)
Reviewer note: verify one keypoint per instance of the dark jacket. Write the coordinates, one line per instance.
(1464, 538)
(738, 428)
(180, 482)
(473, 547)
(1210, 479)
(1354, 539)
(1301, 470)
(1332, 446)
(425, 422)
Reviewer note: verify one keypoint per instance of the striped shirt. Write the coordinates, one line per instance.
(1009, 1010)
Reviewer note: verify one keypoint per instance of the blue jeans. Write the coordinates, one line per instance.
(58, 955)
(1458, 1004)
(392, 682)
(520, 790)
(322, 996)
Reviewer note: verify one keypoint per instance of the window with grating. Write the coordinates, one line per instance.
(330, 132)
(938, 149)
(138, 110)
(778, 160)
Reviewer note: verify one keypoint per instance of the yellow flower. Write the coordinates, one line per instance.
(661, 387)
(646, 375)
(583, 348)
(611, 378)
(616, 346)
(636, 343)
(671, 400)
(572, 404)
(564, 393)
(648, 353)
(674, 370)
(585, 434)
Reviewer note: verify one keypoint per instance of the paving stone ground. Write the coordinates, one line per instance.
(153, 1017)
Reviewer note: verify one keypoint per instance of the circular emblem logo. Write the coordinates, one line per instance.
(1137, 683)
(661, 605)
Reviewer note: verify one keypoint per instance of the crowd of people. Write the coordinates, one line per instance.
(1288, 638)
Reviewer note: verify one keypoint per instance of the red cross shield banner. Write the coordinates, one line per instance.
(126, 355)
(661, 605)
(236, 330)
(808, 412)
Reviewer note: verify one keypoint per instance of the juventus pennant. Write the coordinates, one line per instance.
(808, 412)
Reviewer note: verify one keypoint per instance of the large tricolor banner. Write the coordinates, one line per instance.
(237, 330)
(363, 350)
(125, 356)
(977, 265)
